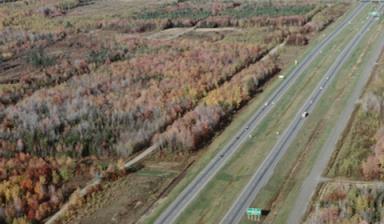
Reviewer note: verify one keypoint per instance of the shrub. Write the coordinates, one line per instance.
(38, 58)
(66, 5)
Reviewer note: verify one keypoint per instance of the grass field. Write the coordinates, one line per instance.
(280, 193)
(222, 139)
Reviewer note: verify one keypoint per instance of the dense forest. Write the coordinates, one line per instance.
(77, 97)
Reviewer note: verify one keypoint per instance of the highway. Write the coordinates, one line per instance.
(266, 169)
(311, 181)
(172, 212)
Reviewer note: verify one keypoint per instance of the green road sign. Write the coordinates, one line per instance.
(258, 211)
(254, 211)
(374, 14)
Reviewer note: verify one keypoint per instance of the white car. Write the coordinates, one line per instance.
(304, 114)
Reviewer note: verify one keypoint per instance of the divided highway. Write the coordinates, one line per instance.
(310, 183)
(171, 213)
(266, 169)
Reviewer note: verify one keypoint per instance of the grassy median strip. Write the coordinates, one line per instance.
(217, 197)
(239, 120)
(284, 186)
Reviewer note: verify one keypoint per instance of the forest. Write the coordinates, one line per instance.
(79, 96)
(349, 203)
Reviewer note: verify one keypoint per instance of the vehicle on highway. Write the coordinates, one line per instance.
(304, 114)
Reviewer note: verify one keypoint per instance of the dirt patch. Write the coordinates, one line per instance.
(173, 33)
(169, 34)
(222, 29)
(122, 201)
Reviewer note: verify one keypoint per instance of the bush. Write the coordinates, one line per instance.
(175, 14)
(38, 58)
(68, 4)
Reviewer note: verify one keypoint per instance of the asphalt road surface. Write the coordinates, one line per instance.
(170, 214)
(266, 169)
(309, 185)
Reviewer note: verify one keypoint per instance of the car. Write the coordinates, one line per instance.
(266, 104)
(321, 88)
(304, 114)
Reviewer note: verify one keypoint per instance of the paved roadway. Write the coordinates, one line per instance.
(170, 214)
(311, 181)
(266, 169)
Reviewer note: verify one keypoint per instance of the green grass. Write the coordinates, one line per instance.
(324, 116)
(176, 14)
(224, 137)
(252, 9)
(154, 172)
(251, 35)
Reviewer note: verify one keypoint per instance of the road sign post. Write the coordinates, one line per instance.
(254, 214)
